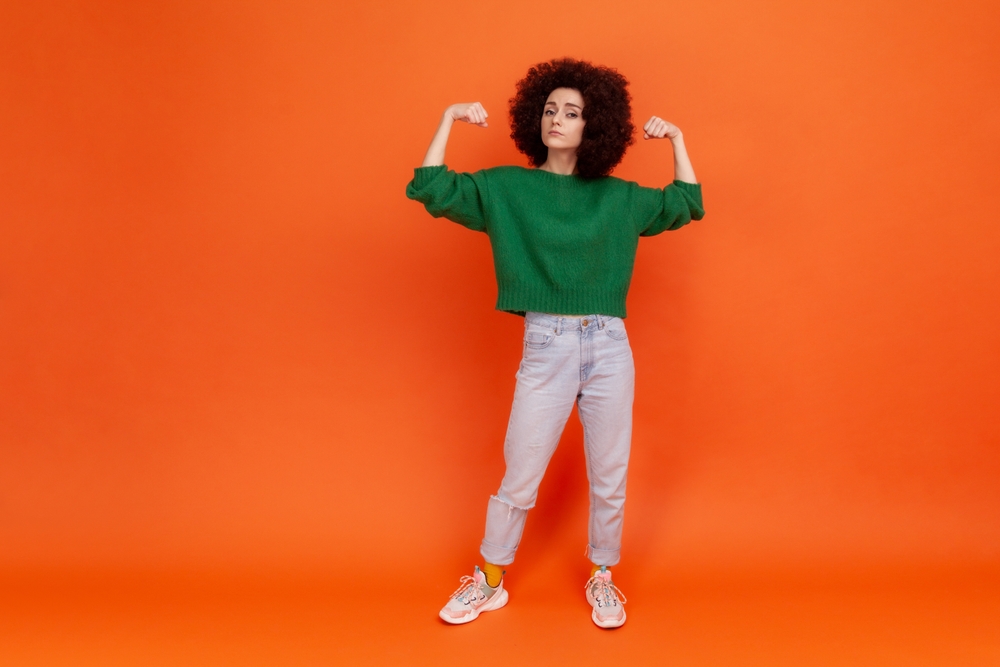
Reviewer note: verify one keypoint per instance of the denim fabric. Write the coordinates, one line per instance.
(586, 360)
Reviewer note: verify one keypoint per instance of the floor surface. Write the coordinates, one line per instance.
(932, 619)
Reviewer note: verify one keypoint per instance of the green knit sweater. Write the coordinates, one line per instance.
(561, 244)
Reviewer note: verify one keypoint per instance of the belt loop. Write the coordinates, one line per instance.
(559, 326)
(600, 322)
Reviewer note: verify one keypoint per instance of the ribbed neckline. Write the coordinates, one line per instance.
(550, 173)
(562, 178)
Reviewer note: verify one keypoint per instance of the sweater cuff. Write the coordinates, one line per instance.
(424, 175)
(693, 188)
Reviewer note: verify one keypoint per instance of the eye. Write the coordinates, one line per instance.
(549, 112)
(571, 115)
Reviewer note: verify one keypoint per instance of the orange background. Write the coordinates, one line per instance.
(229, 344)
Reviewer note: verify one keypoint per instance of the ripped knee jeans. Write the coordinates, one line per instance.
(582, 360)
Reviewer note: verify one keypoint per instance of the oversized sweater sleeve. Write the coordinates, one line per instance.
(674, 206)
(460, 197)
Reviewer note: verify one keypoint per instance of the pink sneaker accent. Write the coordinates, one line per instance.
(471, 598)
(606, 600)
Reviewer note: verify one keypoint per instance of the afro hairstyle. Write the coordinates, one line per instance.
(607, 111)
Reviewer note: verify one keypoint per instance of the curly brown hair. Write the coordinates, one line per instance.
(607, 111)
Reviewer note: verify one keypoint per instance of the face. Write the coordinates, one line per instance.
(562, 119)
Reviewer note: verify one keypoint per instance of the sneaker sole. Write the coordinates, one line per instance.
(494, 603)
(609, 623)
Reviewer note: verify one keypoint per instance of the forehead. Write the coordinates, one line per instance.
(563, 96)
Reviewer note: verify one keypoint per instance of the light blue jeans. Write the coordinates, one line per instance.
(586, 360)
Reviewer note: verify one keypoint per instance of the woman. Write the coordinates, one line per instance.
(564, 236)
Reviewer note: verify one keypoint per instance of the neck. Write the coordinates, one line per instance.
(560, 162)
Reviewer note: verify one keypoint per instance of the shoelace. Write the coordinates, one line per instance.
(606, 589)
(467, 587)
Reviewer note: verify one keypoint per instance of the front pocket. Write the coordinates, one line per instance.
(616, 331)
(537, 340)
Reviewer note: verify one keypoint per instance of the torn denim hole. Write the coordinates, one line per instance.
(510, 506)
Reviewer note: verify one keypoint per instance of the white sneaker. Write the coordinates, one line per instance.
(473, 597)
(606, 600)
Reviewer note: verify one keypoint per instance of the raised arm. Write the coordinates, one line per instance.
(469, 112)
(657, 128)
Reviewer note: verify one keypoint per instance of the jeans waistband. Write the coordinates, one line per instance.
(560, 323)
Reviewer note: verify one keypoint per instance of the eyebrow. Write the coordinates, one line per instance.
(569, 104)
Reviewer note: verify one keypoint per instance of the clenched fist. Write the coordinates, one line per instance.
(657, 128)
(469, 112)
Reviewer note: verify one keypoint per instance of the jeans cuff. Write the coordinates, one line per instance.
(497, 555)
(606, 557)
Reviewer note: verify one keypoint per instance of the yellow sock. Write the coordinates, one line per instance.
(494, 574)
(594, 569)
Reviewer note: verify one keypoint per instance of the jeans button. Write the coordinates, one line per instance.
(585, 323)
